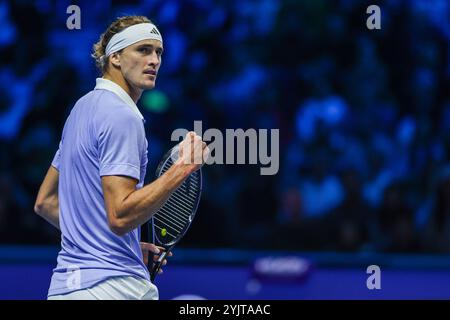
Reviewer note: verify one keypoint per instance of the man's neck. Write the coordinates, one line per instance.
(134, 94)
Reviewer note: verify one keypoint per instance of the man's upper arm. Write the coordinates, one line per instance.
(121, 142)
(115, 190)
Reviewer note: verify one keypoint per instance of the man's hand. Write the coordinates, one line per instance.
(193, 152)
(156, 251)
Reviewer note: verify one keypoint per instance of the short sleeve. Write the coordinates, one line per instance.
(56, 158)
(121, 140)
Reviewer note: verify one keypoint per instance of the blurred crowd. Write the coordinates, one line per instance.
(364, 115)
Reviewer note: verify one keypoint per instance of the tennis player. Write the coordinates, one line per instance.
(93, 191)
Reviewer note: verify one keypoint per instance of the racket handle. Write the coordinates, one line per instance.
(158, 265)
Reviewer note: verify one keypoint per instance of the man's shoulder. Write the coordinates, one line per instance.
(104, 98)
(109, 106)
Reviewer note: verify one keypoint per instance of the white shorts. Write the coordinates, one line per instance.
(117, 288)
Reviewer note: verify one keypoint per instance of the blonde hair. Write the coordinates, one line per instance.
(118, 25)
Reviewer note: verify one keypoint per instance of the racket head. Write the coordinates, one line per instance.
(171, 222)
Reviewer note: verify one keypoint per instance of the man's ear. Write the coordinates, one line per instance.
(115, 59)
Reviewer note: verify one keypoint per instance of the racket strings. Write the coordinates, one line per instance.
(175, 224)
(182, 202)
(174, 217)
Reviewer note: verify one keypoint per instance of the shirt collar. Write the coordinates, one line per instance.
(109, 85)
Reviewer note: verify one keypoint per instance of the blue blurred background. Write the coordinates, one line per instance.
(364, 119)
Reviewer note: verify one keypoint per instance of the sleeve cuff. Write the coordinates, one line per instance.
(120, 170)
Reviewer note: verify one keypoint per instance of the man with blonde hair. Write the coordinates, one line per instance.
(93, 191)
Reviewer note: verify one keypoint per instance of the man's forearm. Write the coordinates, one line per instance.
(49, 210)
(141, 204)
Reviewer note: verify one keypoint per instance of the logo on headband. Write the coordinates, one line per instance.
(155, 31)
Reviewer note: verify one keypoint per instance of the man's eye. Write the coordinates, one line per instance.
(144, 50)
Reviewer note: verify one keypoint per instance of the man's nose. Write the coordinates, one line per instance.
(154, 59)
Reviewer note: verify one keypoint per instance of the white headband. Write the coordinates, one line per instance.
(131, 35)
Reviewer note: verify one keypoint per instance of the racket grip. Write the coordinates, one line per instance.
(158, 265)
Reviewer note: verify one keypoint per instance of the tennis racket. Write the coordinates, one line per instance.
(171, 222)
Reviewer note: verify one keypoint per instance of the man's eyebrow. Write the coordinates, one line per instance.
(146, 45)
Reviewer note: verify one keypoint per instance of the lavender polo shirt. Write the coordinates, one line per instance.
(103, 135)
